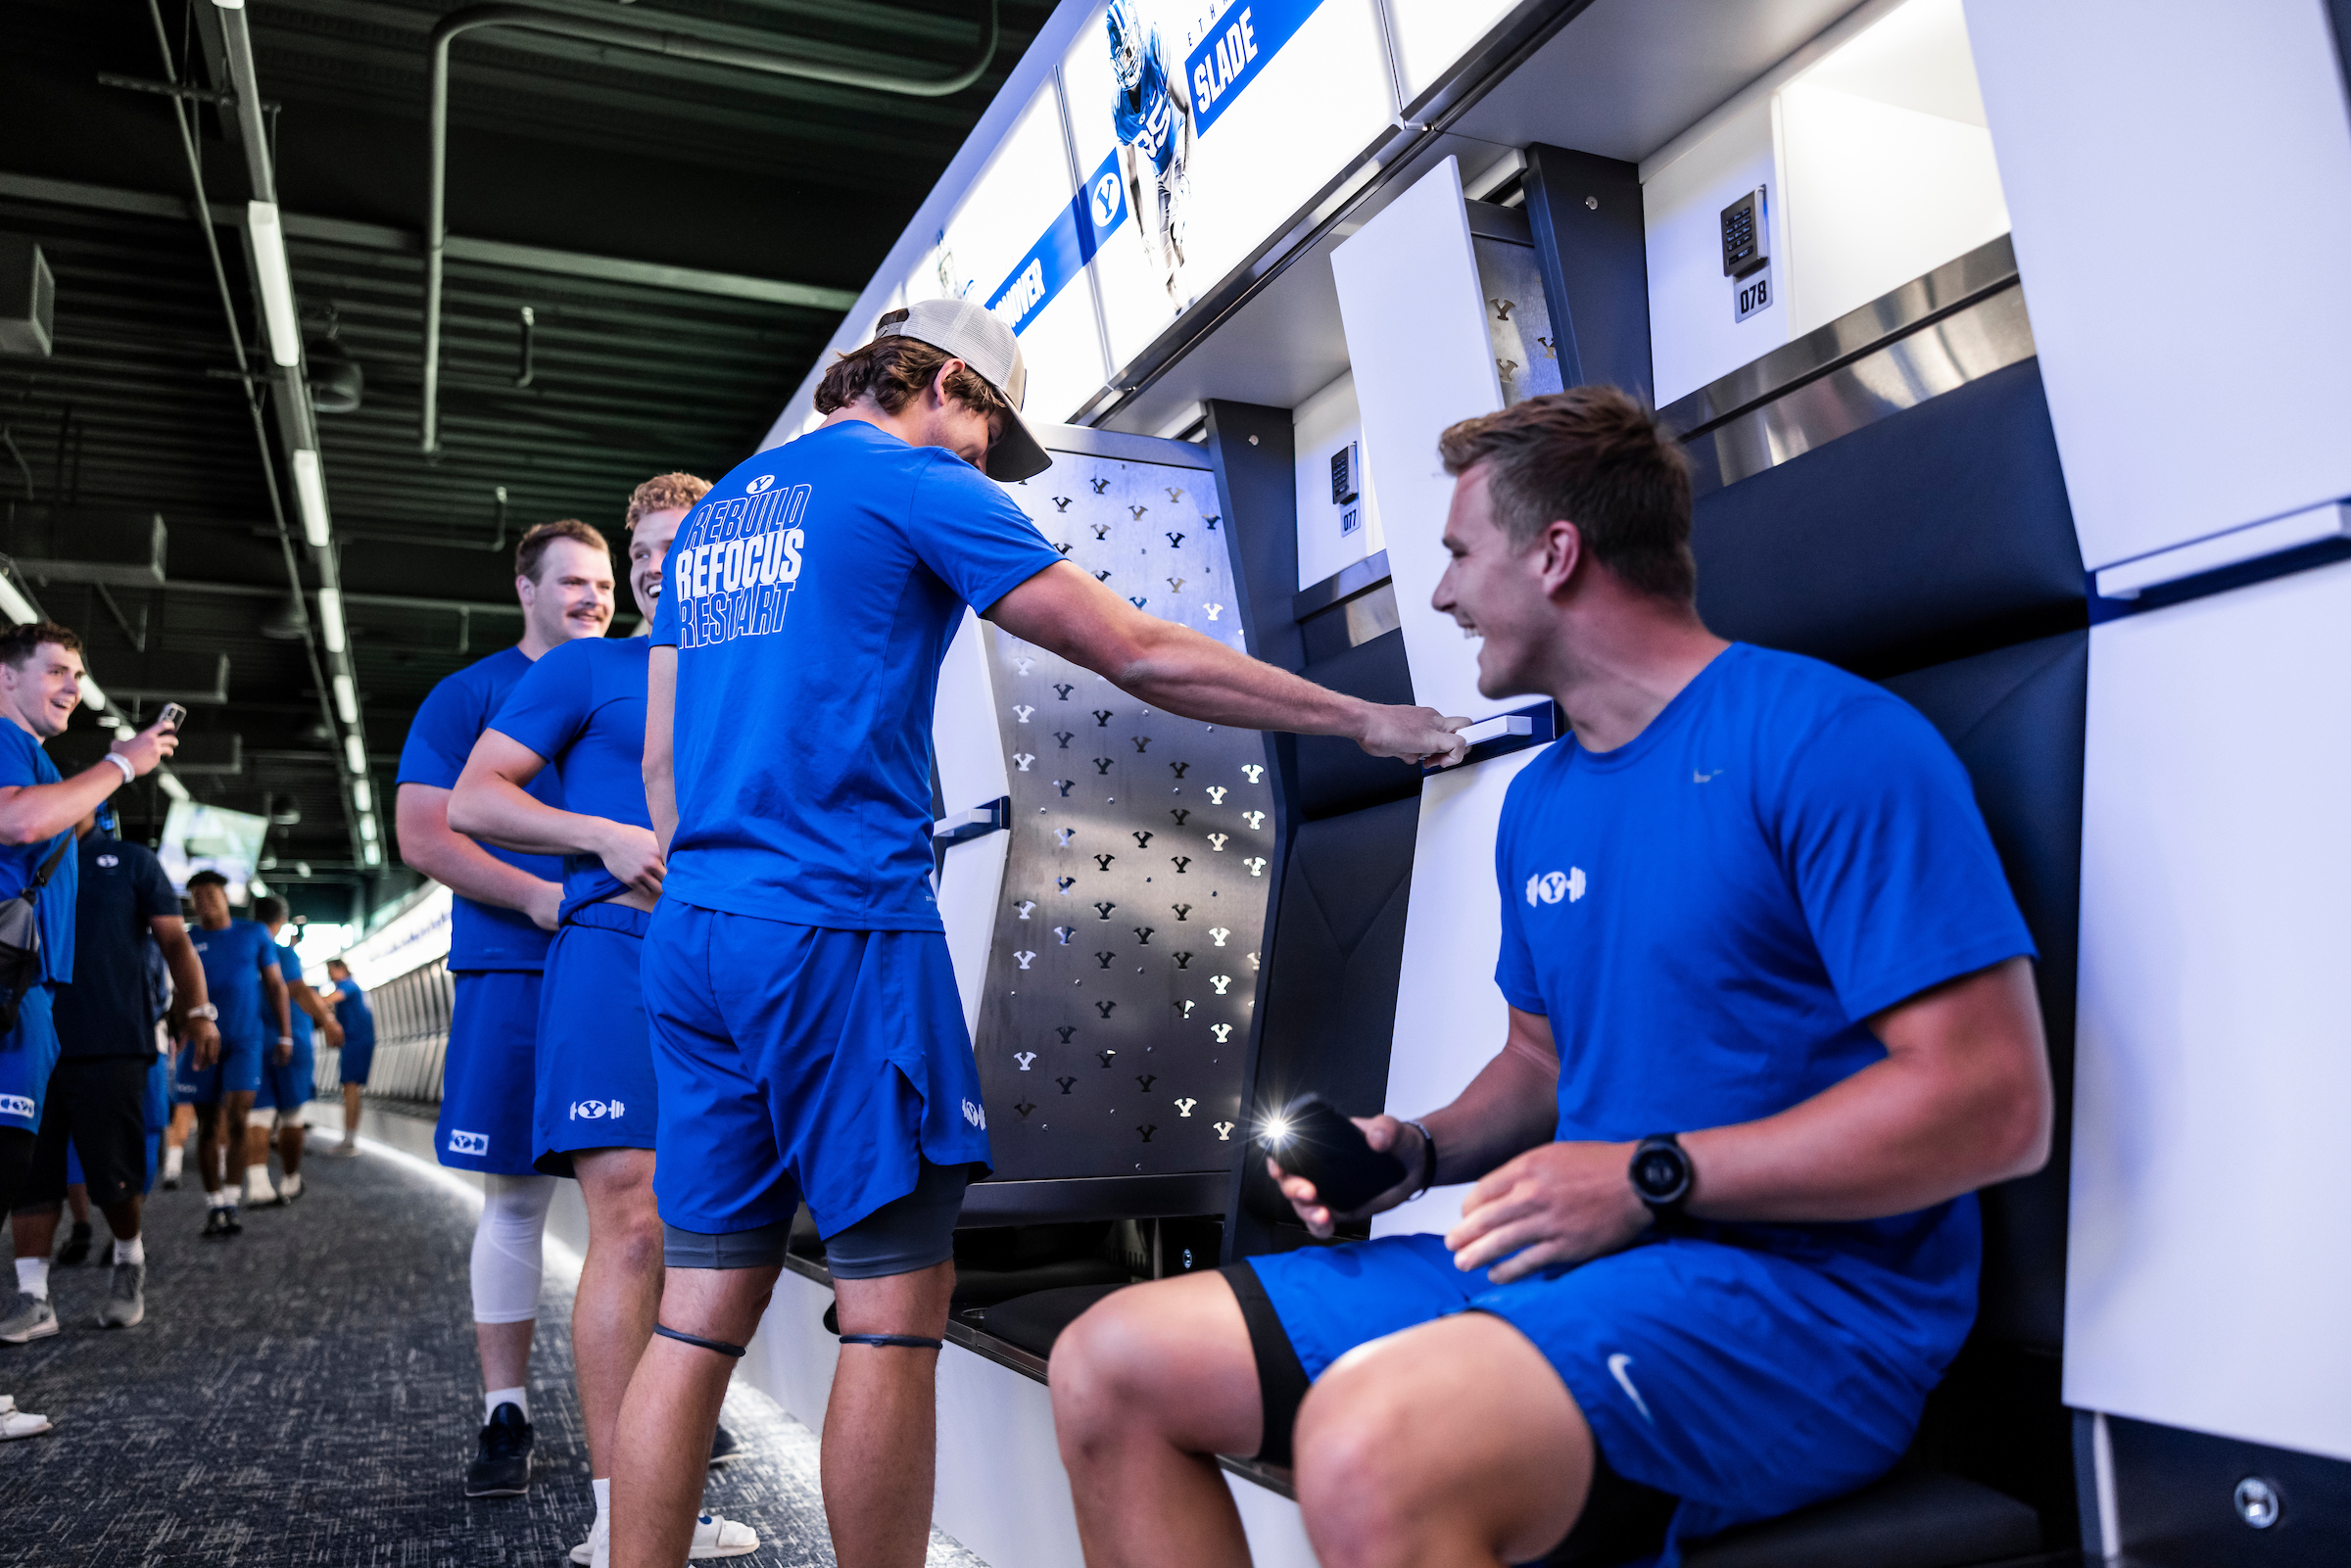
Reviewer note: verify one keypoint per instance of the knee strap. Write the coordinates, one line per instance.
(732, 1352)
(912, 1342)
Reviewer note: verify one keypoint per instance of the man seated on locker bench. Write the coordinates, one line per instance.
(1771, 1022)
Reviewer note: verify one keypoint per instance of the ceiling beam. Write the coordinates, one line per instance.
(407, 242)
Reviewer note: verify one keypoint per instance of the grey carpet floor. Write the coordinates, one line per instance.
(308, 1394)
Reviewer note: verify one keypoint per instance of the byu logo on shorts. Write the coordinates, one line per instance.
(760, 485)
(469, 1143)
(15, 1105)
(595, 1110)
(1552, 886)
(975, 1115)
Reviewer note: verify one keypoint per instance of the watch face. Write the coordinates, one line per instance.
(1659, 1173)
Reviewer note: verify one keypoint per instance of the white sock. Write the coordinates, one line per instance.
(498, 1397)
(32, 1277)
(291, 1186)
(133, 1251)
(603, 1503)
(256, 1183)
(172, 1160)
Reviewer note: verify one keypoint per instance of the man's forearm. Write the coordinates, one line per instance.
(1196, 677)
(187, 973)
(429, 845)
(276, 992)
(1508, 1107)
(494, 808)
(33, 812)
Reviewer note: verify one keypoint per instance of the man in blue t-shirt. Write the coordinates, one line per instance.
(248, 995)
(287, 1084)
(1771, 1024)
(581, 711)
(506, 907)
(41, 687)
(809, 1040)
(357, 1020)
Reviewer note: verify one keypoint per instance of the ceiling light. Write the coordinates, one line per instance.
(346, 701)
(330, 619)
(93, 695)
(14, 604)
(362, 796)
(354, 755)
(310, 496)
(372, 855)
(367, 828)
(278, 282)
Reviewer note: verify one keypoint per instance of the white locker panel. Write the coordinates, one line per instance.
(971, 772)
(2176, 174)
(1449, 1016)
(1416, 337)
(2208, 1278)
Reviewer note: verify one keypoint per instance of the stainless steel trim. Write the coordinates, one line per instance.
(1356, 577)
(1508, 224)
(1118, 446)
(1949, 287)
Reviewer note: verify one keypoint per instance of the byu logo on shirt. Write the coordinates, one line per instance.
(1552, 886)
(760, 485)
(110, 861)
(594, 1110)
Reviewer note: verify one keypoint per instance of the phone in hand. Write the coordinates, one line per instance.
(171, 715)
(1310, 1137)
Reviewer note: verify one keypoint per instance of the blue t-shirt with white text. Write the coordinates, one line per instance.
(582, 709)
(234, 958)
(1707, 915)
(23, 762)
(811, 596)
(455, 712)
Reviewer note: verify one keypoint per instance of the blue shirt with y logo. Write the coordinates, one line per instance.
(1707, 915)
(810, 598)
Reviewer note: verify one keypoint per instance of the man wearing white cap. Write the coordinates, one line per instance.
(809, 1041)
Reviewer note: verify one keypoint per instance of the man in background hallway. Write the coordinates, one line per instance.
(357, 1020)
(242, 980)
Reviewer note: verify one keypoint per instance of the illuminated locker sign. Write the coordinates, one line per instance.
(1233, 54)
(1077, 232)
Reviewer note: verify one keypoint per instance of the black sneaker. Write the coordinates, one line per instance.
(77, 1246)
(502, 1460)
(220, 1222)
(724, 1449)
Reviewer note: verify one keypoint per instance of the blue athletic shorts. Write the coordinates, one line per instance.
(596, 1060)
(803, 1061)
(27, 1056)
(291, 1086)
(486, 1078)
(237, 1068)
(159, 1114)
(1739, 1381)
(355, 1061)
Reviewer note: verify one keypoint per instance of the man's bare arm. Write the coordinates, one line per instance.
(1510, 1107)
(660, 784)
(430, 845)
(33, 812)
(273, 991)
(1962, 1100)
(491, 801)
(1173, 667)
(187, 987)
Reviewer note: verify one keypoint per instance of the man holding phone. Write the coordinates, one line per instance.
(1771, 1024)
(41, 687)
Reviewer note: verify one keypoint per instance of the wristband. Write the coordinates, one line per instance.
(130, 773)
(1428, 1165)
(205, 1009)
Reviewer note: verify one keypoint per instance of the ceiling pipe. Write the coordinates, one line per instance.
(645, 40)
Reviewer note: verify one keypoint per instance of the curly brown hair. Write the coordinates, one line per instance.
(1595, 456)
(664, 493)
(894, 370)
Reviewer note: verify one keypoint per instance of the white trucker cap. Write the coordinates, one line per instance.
(969, 332)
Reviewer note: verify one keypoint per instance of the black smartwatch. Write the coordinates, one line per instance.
(1661, 1176)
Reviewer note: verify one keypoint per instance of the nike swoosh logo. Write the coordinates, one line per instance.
(1616, 1365)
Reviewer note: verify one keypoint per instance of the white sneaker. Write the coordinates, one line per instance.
(596, 1550)
(290, 1189)
(714, 1537)
(16, 1423)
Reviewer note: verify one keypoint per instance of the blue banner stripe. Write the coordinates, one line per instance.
(1229, 59)
(1077, 232)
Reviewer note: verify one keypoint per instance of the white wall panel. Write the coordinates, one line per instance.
(971, 772)
(1322, 425)
(1417, 339)
(1449, 1016)
(2176, 177)
(2208, 1276)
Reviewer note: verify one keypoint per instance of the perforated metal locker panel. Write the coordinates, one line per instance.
(1130, 929)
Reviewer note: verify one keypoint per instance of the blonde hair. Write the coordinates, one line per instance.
(666, 493)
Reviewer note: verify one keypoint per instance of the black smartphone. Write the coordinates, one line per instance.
(171, 715)
(1312, 1138)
